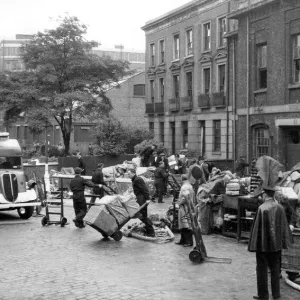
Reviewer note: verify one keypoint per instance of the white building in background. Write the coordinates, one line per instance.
(10, 59)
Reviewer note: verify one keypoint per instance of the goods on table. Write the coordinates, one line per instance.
(100, 218)
(255, 179)
(115, 208)
(129, 201)
(233, 188)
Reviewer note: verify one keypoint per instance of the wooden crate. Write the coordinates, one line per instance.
(291, 256)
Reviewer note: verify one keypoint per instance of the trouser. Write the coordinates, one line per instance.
(80, 211)
(148, 223)
(195, 186)
(263, 261)
(159, 186)
(186, 236)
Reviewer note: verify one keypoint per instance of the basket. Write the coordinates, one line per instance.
(291, 256)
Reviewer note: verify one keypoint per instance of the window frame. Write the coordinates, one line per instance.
(204, 81)
(204, 37)
(176, 37)
(152, 90)
(162, 132)
(189, 51)
(161, 89)
(189, 84)
(185, 137)
(262, 66)
(217, 135)
(139, 85)
(162, 51)
(258, 145)
(152, 54)
(219, 79)
(296, 60)
(176, 86)
(219, 27)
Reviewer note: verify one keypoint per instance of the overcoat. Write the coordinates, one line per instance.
(186, 195)
(270, 231)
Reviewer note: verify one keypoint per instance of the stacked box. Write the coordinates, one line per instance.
(99, 217)
(115, 208)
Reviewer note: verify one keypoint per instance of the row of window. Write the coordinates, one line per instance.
(206, 86)
(10, 51)
(189, 42)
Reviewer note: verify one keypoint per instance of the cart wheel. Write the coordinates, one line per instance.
(195, 256)
(44, 221)
(63, 221)
(117, 236)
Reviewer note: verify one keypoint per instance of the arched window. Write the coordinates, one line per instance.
(262, 142)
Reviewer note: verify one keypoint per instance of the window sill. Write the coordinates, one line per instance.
(136, 96)
(221, 48)
(189, 56)
(260, 91)
(216, 153)
(294, 86)
(206, 51)
(175, 60)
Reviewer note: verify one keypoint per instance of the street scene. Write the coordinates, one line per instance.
(150, 151)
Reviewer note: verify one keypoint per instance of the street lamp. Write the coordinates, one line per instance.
(46, 175)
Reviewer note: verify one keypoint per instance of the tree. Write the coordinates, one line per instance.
(110, 136)
(64, 80)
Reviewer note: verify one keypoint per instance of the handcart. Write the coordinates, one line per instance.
(117, 234)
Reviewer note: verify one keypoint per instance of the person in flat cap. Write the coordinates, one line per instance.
(160, 178)
(141, 192)
(77, 186)
(97, 178)
(269, 235)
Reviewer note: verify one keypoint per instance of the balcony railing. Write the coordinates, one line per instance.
(174, 104)
(187, 102)
(218, 99)
(149, 108)
(159, 108)
(204, 100)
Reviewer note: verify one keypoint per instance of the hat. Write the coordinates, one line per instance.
(162, 154)
(270, 188)
(77, 170)
(100, 165)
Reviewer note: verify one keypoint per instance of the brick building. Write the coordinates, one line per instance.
(128, 101)
(265, 79)
(186, 80)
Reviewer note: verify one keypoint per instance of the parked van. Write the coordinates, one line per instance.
(15, 193)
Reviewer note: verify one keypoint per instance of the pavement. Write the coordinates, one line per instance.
(68, 263)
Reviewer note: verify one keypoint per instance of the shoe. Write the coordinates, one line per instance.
(261, 298)
(179, 243)
(76, 223)
(188, 245)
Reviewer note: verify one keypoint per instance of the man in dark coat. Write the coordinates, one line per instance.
(77, 186)
(160, 177)
(146, 155)
(270, 234)
(142, 195)
(154, 160)
(81, 164)
(97, 178)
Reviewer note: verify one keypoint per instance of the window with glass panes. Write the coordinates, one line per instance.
(162, 89)
(262, 142)
(189, 42)
(185, 134)
(206, 79)
(176, 86)
(139, 90)
(221, 79)
(151, 126)
(217, 135)
(176, 46)
(152, 90)
(206, 36)
(162, 51)
(221, 31)
(162, 132)
(189, 83)
(152, 54)
(296, 58)
(262, 66)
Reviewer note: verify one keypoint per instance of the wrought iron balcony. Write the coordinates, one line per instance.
(149, 108)
(187, 102)
(218, 99)
(174, 104)
(204, 100)
(159, 108)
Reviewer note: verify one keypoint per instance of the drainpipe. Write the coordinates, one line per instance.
(233, 104)
(248, 83)
(227, 104)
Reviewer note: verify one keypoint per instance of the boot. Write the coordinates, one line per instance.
(182, 240)
(189, 238)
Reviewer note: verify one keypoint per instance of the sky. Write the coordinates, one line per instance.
(110, 22)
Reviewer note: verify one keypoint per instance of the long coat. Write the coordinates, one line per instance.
(160, 176)
(186, 197)
(270, 231)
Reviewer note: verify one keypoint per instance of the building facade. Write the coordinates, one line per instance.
(264, 72)
(128, 101)
(186, 80)
(10, 59)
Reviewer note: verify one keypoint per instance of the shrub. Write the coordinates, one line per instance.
(146, 143)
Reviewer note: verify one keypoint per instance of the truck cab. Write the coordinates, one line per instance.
(15, 193)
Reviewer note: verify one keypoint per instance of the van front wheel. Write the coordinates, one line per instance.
(25, 212)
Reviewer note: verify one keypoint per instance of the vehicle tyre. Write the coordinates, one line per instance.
(25, 212)
(44, 221)
(195, 256)
(63, 221)
(117, 236)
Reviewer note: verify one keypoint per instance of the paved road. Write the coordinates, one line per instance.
(68, 263)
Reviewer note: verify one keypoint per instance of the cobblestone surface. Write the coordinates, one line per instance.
(52, 262)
